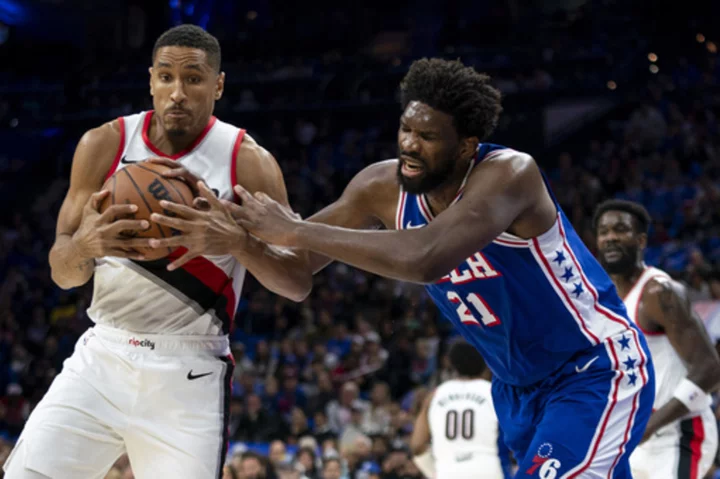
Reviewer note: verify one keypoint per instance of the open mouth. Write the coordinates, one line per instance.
(612, 254)
(411, 168)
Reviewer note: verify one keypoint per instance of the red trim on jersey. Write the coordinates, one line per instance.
(608, 412)
(696, 446)
(627, 430)
(400, 214)
(637, 308)
(212, 277)
(637, 281)
(233, 162)
(549, 272)
(608, 314)
(120, 150)
(154, 149)
(510, 242)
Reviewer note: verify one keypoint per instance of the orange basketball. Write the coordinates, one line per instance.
(142, 184)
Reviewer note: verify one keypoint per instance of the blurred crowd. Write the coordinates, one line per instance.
(329, 388)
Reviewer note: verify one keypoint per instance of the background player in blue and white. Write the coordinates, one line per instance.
(681, 438)
(572, 380)
(460, 421)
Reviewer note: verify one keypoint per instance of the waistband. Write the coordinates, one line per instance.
(159, 342)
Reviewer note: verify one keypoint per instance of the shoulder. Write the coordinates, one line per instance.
(375, 190)
(663, 298)
(256, 169)
(103, 137)
(378, 176)
(662, 289)
(252, 154)
(515, 167)
(96, 151)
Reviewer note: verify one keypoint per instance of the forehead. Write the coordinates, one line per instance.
(421, 116)
(179, 56)
(614, 217)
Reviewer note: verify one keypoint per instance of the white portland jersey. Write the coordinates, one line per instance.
(669, 368)
(201, 297)
(464, 430)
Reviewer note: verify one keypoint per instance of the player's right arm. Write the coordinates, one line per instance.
(368, 202)
(82, 233)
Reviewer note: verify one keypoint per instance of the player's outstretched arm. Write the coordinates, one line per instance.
(494, 199)
(83, 233)
(665, 303)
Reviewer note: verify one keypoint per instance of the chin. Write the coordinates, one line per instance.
(176, 131)
(616, 267)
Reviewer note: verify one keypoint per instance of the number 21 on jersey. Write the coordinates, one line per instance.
(487, 317)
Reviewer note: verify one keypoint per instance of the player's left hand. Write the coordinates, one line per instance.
(265, 218)
(211, 231)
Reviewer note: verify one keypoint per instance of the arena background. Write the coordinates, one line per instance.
(613, 98)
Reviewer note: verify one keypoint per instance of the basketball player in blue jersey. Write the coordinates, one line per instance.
(477, 224)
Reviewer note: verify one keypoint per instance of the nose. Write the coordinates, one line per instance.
(408, 142)
(178, 95)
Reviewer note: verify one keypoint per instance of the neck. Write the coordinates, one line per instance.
(442, 196)
(625, 281)
(168, 144)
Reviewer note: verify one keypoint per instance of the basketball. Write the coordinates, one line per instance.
(142, 184)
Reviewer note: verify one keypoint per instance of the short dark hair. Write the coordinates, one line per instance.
(190, 36)
(455, 89)
(466, 360)
(638, 212)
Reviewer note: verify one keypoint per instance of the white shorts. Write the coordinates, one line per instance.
(682, 450)
(162, 399)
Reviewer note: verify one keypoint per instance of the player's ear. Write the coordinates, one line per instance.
(469, 146)
(220, 86)
(642, 240)
(150, 71)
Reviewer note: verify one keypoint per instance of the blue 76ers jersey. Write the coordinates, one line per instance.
(528, 305)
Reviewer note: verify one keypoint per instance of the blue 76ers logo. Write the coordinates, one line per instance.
(546, 467)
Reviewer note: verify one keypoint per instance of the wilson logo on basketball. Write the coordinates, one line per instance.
(159, 192)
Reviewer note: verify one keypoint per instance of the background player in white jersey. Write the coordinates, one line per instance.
(681, 437)
(152, 377)
(459, 419)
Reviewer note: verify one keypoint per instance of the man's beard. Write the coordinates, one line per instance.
(428, 180)
(622, 265)
(177, 132)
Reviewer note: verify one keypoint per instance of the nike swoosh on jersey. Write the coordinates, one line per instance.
(125, 161)
(587, 365)
(410, 226)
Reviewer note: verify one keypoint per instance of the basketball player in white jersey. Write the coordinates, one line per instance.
(681, 438)
(459, 420)
(152, 377)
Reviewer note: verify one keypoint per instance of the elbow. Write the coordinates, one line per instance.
(61, 281)
(299, 288)
(426, 270)
(301, 293)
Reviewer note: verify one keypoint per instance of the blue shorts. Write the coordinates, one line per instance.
(585, 419)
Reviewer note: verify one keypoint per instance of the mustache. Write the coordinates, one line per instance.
(414, 156)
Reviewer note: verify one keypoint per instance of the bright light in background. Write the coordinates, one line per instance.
(711, 47)
(654, 69)
(652, 57)
(611, 85)
(700, 37)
